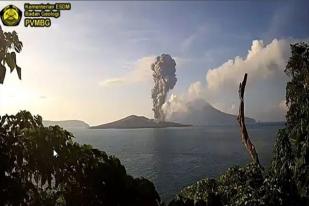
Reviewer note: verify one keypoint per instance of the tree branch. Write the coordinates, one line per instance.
(241, 120)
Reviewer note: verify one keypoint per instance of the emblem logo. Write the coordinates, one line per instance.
(10, 15)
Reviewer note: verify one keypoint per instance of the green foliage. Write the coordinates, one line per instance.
(287, 180)
(9, 44)
(291, 152)
(44, 166)
(297, 97)
(238, 186)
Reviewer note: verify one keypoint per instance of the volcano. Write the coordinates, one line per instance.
(134, 122)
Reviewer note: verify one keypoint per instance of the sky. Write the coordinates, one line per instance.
(93, 63)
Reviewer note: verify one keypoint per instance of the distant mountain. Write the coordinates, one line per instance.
(201, 112)
(134, 121)
(66, 123)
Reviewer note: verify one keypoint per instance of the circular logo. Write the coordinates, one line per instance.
(10, 15)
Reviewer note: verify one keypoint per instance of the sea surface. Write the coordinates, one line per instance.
(173, 158)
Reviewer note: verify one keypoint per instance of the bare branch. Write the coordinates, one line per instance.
(241, 120)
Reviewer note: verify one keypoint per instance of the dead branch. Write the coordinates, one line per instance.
(241, 120)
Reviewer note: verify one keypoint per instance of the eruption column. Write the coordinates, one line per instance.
(164, 76)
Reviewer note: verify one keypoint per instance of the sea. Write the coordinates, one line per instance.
(173, 158)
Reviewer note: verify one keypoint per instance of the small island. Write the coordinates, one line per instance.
(134, 122)
(68, 124)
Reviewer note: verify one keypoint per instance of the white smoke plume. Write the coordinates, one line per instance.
(164, 76)
(264, 63)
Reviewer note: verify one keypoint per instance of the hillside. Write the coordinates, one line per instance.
(134, 121)
(202, 113)
(66, 123)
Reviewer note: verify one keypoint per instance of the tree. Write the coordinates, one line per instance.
(45, 166)
(291, 154)
(286, 183)
(9, 41)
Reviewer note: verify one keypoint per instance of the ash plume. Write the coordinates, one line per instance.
(164, 76)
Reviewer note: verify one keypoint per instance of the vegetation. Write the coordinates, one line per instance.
(286, 182)
(9, 41)
(44, 166)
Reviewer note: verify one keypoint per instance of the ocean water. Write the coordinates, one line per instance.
(173, 158)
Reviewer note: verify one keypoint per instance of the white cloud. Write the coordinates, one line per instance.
(262, 62)
(112, 81)
(140, 72)
(175, 104)
(178, 104)
(265, 66)
(201, 32)
(196, 90)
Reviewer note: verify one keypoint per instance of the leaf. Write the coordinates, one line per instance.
(18, 69)
(2, 73)
(2, 53)
(18, 46)
(10, 59)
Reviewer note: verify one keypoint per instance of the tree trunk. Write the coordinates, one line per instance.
(241, 120)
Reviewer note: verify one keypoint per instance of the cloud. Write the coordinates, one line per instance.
(264, 63)
(196, 90)
(192, 108)
(177, 107)
(261, 63)
(139, 72)
(110, 82)
(201, 33)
